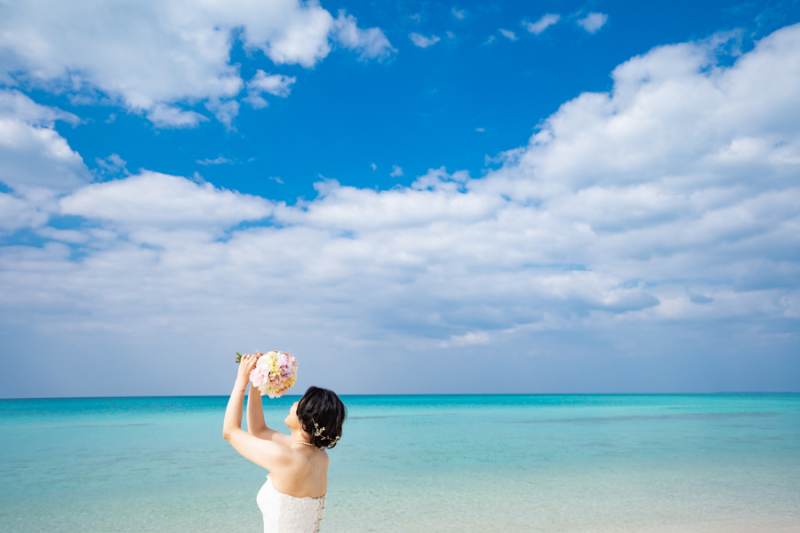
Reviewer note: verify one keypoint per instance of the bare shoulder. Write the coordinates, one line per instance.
(282, 438)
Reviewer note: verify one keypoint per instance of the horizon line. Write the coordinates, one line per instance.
(719, 393)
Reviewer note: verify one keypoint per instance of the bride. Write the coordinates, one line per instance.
(293, 498)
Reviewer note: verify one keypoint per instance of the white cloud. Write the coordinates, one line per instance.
(422, 41)
(468, 339)
(112, 162)
(164, 116)
(17, 213)
(371, 43)
(489, 40)
(542, 24)
(458, 13)
(508, 34)
(182, 57)
(14, 103)
(593, 22)
(480, 130)
(224, 110)
(396, 171)
(111, 166)
(220, 160)
(157, 200)
(670, 200)
(373, 166)
(274, 84)
(32, 153)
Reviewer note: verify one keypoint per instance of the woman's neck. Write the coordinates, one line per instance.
(298, 435)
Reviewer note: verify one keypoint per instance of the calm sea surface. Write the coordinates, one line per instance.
(569, 463)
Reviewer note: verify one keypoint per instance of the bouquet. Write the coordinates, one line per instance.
(274, 374)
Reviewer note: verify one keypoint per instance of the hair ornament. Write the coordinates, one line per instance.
(318, 432)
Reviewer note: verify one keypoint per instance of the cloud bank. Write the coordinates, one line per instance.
(118, 53)
(629, 219)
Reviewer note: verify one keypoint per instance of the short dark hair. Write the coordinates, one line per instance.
(321, 415)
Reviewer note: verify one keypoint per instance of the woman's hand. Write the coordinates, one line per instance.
(246, 366)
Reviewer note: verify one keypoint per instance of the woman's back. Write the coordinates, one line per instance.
(289, 514)
(293, 498)
(305, 472)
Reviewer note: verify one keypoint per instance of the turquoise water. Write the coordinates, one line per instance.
(569, 463)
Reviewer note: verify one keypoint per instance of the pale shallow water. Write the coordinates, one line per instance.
(569, 463)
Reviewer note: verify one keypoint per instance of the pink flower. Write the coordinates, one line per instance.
(275, 373)
(258, 377)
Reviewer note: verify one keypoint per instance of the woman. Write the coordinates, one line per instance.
(293, 498)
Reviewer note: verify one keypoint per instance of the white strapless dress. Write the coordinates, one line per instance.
(288, 514)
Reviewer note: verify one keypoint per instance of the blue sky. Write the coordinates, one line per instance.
(592, 196)
(419, 108)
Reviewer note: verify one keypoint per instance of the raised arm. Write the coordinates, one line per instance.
(262, 452)
(255, 420)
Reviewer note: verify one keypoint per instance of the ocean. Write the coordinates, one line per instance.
(505, 463)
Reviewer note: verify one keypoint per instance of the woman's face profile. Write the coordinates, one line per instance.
(291, 421)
